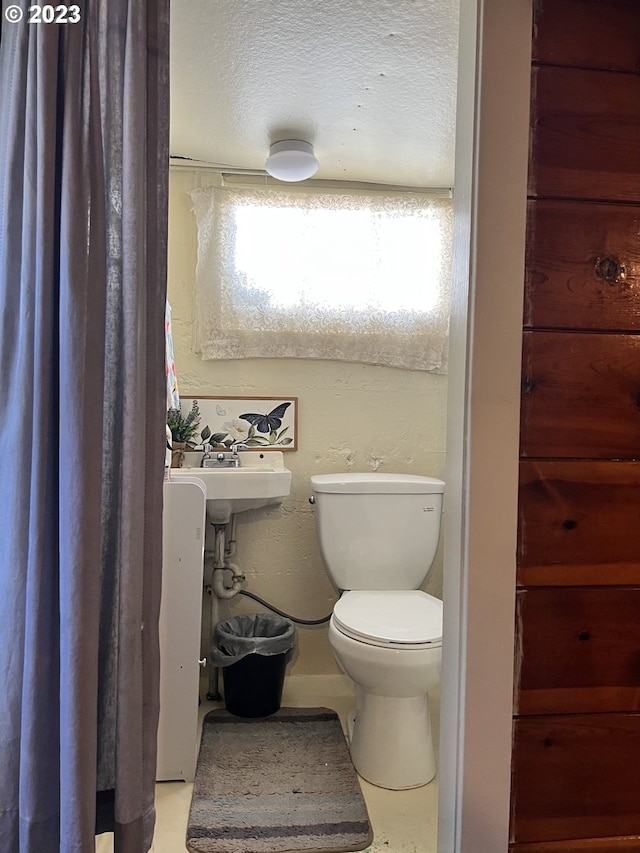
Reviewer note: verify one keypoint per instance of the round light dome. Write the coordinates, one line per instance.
(291, 160)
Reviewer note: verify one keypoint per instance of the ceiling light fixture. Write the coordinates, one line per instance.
(291, 160)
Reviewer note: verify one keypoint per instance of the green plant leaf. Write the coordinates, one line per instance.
(287, 441)
(205, 433)
(218, 437)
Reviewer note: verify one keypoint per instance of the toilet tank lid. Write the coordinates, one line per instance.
(374, 483)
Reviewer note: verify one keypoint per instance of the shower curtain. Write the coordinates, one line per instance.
(83, 218)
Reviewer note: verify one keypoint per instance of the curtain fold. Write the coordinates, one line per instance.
(83, 218)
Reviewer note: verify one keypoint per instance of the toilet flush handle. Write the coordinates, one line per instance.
(312, 499)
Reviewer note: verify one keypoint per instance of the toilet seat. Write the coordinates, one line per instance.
(402, 619)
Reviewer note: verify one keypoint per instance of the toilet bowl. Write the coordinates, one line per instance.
(389, 644)
(378, 536)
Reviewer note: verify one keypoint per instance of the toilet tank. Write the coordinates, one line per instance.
(377, 531)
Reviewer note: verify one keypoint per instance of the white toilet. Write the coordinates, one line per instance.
(378, 536)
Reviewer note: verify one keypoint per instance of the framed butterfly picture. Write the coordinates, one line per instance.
(262, 423)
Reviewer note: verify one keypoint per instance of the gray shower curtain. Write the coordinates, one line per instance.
(83, 218)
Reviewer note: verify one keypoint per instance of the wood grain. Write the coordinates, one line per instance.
(581, 395)
(567, 244)
(628, 844)
(575, 776)
(587, 33)
(579, 650)
(578, 523)
(585, 135)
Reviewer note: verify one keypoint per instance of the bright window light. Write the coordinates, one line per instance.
(359, 259)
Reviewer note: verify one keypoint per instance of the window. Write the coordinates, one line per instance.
(323, 274)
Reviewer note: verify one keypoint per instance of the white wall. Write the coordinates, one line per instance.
(351, 417)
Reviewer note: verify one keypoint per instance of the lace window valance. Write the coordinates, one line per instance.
(287, 273)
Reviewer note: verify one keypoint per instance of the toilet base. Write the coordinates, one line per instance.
(390, 741)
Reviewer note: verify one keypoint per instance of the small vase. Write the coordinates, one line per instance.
(192, 458)
(177, 454)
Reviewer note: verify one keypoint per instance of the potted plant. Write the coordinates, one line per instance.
(183, 432)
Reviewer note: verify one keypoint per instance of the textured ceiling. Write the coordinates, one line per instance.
(371, 83)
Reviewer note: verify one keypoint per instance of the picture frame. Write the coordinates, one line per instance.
(269, 422)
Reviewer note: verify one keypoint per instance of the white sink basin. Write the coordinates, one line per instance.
(261, 479)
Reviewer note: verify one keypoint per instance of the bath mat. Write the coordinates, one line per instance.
(278, 784)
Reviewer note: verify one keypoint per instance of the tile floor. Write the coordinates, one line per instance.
(403, 821)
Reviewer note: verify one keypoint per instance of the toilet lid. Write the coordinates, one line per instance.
(390, 617)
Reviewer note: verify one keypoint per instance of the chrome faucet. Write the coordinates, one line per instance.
(235, 448)
(225, 459)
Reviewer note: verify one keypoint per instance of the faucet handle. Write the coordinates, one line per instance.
(239, 445)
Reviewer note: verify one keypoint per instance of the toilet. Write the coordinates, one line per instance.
(378, 535)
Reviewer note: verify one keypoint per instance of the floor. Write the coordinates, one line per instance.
(403, 821)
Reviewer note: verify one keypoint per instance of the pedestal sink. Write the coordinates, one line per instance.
(261, 479)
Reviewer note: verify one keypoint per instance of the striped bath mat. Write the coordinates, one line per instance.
(278, 784)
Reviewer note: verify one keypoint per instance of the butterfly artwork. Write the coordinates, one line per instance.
(267, 423)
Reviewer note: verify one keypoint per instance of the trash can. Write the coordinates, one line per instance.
(253, 651)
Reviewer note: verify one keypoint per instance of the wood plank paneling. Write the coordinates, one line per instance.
(578, 523)
(576, 776)
(581, 395)
(576, 748)
(579, 650)
(585, 135)
(572, 252)
(588, 33)
(630, 844)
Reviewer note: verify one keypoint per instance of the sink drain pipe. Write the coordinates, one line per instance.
(237, 578)
(223, 549)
